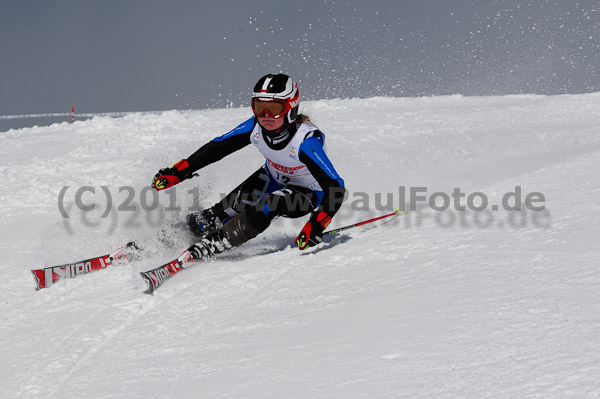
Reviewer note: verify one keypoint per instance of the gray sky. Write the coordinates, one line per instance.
(103, 56)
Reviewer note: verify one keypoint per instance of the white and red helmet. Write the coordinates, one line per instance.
(278, 95)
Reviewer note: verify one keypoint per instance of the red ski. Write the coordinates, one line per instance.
(155, 277)
(47, 276)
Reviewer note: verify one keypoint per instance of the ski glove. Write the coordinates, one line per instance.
(312, 233)
(168, 177)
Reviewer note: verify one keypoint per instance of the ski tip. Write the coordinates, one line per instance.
(38, 276)
(149, 282)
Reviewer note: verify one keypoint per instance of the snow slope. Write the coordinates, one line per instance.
(431, 305)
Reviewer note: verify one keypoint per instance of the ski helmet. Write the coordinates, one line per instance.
(278, 95)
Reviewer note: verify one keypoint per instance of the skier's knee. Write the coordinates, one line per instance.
(288, 203)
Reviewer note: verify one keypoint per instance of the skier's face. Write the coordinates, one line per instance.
(270, 123)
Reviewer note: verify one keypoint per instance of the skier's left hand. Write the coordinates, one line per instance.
(312, 233)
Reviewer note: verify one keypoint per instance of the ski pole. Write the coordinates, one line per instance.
(397, 211)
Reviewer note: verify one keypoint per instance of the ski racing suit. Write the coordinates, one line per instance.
(296, 179)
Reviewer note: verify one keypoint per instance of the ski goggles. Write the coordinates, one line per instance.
(275, 108)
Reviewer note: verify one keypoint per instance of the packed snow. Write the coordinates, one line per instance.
(430, 304)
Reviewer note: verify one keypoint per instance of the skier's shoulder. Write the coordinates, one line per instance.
(307, 138)
(244, 128)
(306, 130)
(308, 135)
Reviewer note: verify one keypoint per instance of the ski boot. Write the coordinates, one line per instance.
(210, 245)
(203, 223)
(235, 232)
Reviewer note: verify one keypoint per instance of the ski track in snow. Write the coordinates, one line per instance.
(222, 322)
(409, 307)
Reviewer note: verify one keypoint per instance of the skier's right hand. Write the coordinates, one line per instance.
(168, 177)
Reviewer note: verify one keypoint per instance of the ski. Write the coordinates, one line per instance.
(155, 277)
(47, 276)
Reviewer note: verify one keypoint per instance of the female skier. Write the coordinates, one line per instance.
(297, 178)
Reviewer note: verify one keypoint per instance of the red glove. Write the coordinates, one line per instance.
(312, 233)
(168, 177)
